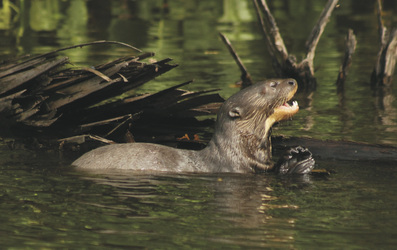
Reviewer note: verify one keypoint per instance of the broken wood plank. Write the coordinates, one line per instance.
(111, 120)
(163, 103)
(14, 82)
(6, 104)
(80, 139)
(77, 91)
(14, 68)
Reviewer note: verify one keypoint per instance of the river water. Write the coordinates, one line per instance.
(46, 204)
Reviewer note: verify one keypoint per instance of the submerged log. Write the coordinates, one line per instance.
(339, 150)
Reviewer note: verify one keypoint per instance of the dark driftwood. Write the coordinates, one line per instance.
(339, 150)
(285, 64)
(41, 94)
(46, 99)
(386, 62)
(14, 79)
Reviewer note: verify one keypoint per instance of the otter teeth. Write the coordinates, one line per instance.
(294, 104)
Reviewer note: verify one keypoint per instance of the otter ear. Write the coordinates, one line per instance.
(235, 112)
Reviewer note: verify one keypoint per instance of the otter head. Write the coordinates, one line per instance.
(246, 118)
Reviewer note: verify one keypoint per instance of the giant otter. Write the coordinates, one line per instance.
(241, 142)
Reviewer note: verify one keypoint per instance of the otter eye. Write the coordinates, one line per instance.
(235, 112)
(274, 84)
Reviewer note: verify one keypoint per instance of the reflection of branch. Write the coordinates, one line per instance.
(387, 55)
(347, 60)
(390, 57)
(350, 43)
(245, 76)
(382, 74)
(381, 27)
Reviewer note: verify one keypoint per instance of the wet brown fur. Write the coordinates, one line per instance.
(241, 142)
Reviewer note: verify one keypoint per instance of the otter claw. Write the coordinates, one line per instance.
(297, 160)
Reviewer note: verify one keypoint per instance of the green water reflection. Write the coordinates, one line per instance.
(43, 205)
(187, 31)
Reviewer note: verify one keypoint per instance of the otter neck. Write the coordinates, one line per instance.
(245, 154)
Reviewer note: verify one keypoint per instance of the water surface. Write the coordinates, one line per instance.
(47, 206)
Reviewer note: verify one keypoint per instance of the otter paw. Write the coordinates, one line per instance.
(297, 160)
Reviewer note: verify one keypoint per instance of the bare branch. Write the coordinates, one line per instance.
(273, 34)
(245, 76)
(318, 30)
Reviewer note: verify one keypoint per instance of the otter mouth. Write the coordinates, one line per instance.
(290, 106)
(282, 112)
(285, 111)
